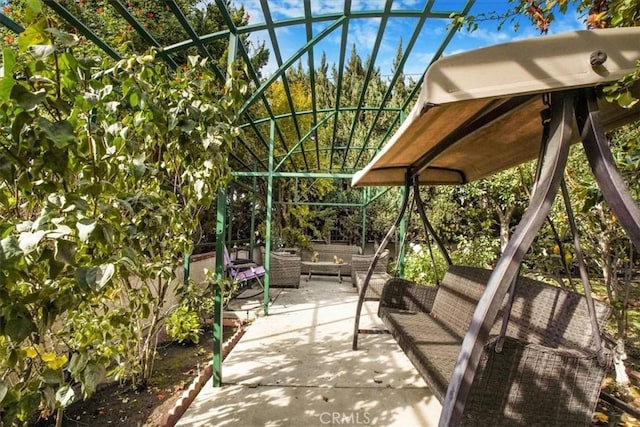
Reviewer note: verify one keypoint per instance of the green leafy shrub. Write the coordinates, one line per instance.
(482, 251)
(419, 266)
(296, 238)
(183, 326)
(103, 170)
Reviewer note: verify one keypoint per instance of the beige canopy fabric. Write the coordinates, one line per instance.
(479, 111)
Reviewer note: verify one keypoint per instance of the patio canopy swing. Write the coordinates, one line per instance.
(527, 353)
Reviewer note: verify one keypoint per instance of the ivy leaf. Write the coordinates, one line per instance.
(93, 375)
(54, 361)
(41, 79)
(26, 99)
(61, 133)
(18, 124)
(65, 39)
(51, 376)
(134, 99)
(6, 86)
(34, 5)
(33, 34)
(6, 74)
(18, 328)
(627, 100)
(31, 352)
(77, 363)
(64, 251)
(9, 249)
(8, 61)
(104, 273)
(95, 277)
(28, 241)
(139, 166)
(65, 395)
(85, 227)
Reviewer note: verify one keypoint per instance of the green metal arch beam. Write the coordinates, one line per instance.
(302, 140)
(310, 61)
(285, 82)
(253, 75)
(84, 30)
(135, 24)
(320, 110)
(367, 77)
(343, 49)
(10, 24)
(260, 90)
(452, 31)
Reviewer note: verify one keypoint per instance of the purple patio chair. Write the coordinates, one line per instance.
(243, 272)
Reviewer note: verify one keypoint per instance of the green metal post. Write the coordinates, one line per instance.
(252, 237)
(267, 253)
(229, 232)
(186, 266)
(221, 214)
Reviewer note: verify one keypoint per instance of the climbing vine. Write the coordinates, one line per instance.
(103, 169)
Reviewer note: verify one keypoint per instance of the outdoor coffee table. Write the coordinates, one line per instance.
(324, 267)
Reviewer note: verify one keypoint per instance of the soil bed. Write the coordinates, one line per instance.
(115, 404)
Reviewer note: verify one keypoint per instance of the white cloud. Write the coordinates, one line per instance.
(363, 32)
(417, 63)
(253, 9)
(367, 5)
(286, 9)
(406, 4)
(488, 37)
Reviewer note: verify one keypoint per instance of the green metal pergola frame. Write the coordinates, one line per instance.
(263, 162)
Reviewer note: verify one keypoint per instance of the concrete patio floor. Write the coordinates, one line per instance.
(295, 367)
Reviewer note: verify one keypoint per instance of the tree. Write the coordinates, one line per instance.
(102, 173)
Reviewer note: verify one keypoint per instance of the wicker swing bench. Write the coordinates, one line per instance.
(547, 369)
(497, 348)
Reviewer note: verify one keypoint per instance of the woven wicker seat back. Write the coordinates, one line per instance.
(548, 371)
(553, 317)
(361, 263)
(540, 314)
(459, 293)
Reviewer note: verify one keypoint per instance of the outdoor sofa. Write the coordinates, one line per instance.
(327, 252)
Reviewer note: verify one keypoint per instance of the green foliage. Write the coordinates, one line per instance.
(620, 91)
(295, 238)
(483, 251)
(103, 170)
(183, 326)
(419, 266)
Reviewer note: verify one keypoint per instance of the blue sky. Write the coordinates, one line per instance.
(363, 32)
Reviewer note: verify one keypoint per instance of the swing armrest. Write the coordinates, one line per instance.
(403, 294)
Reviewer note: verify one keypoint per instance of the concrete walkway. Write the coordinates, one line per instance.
(295, 367)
